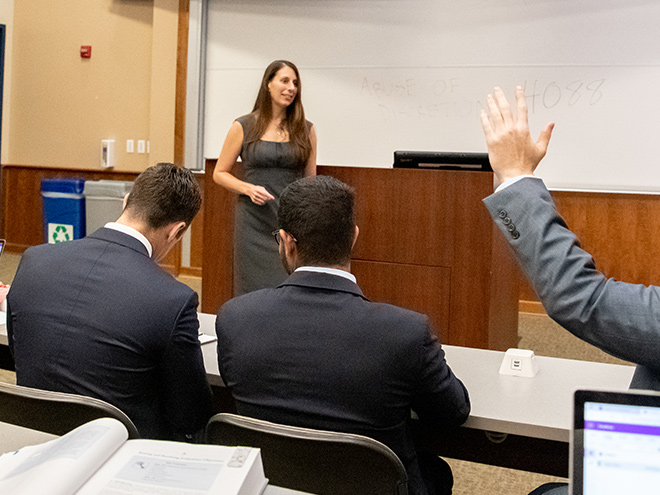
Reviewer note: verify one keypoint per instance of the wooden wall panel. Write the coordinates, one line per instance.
(181, 83)
(383, 282)
(218, 264)
(395, 224)
(22, 209)
(426, 242)
(21, 218)
(504, 292)
(435, 218)
(621, 232)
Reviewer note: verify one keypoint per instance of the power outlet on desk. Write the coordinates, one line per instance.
(519, 362)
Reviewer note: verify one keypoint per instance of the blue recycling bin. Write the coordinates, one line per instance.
(64, 209)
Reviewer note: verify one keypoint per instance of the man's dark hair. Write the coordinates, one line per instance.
(164, 194)
(319, 212)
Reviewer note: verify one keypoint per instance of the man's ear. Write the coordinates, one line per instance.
(289, 243)
(176, 231)
(357, 232)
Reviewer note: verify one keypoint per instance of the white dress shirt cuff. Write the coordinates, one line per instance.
(513, 180)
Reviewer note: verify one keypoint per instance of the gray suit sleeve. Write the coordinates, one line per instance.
(621, 319)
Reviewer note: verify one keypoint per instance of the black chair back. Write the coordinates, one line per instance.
(314, 461)
(55, 412)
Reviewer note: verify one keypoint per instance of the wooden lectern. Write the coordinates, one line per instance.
(426, 243)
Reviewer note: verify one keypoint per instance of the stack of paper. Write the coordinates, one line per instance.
(97, 458)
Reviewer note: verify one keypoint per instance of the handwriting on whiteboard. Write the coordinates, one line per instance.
(450, 98)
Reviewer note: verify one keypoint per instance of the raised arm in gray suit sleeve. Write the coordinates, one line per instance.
(621, 319)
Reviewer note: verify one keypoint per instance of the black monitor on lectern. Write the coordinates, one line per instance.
(442, 160)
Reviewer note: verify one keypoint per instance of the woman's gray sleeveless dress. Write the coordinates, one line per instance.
(273, 165)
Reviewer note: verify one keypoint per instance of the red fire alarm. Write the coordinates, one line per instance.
(86, 51)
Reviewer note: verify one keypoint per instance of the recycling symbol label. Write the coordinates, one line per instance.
(58, 232)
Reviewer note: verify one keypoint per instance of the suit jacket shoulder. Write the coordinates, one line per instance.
(100, 307)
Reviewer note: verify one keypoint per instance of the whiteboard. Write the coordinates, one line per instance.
(386, 75)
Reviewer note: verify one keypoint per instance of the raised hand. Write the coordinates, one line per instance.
(511, 150)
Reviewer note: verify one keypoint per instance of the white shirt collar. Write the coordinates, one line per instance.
(331, 271)
(132, 232)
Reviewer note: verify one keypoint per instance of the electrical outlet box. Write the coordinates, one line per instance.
(519, 362)
(107, 153)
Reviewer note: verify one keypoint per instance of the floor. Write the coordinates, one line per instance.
(536, 332)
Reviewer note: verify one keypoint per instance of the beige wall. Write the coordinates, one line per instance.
(163, 79)
(62, 106)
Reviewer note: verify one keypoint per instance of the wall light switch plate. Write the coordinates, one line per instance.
(107, 153)
(141, 146)
(519, 362)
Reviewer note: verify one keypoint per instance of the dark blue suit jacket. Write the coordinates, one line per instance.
(98, 317)
(314, 352)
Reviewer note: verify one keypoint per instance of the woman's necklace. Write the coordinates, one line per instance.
(281, 130)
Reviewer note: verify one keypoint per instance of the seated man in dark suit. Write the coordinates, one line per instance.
(315, 352)
(99, 317)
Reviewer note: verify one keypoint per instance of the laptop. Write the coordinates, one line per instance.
(615, 445)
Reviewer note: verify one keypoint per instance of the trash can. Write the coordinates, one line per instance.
(64, 209)
(104, 201)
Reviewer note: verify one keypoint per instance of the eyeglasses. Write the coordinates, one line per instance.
(276, 235)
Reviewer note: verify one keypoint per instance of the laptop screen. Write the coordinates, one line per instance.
(616, 443)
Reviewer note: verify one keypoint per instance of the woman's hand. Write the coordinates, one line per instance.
(258, 194)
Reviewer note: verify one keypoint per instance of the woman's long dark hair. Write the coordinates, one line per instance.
(295, 114)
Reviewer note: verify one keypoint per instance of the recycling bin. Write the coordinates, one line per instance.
(104, 201)
(63, 209)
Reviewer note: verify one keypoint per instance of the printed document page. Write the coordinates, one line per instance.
(61, 466)
(150, 466)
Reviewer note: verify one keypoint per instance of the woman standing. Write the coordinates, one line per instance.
(277, 146)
